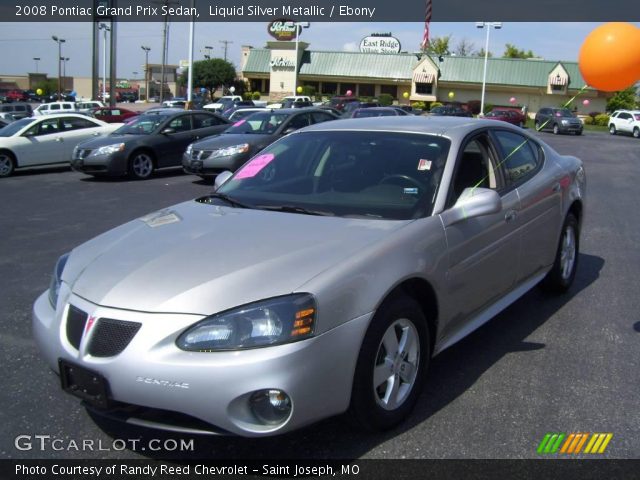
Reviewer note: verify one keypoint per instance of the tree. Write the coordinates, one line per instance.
(439, 45)
(465, 48)
(47, 86)
(511, 51)
(623, 100)
(480, 53)
(211, 74)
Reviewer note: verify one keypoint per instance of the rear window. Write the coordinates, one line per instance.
(637, 116)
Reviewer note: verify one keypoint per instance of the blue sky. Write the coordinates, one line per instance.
(552, 41)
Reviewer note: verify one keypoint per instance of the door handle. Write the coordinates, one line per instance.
(556, 187)
(510, 216)
(59, 139)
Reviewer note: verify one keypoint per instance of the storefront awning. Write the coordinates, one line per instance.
(423, 77)
(558, 80)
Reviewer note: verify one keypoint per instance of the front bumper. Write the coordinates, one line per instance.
(571, 128)
(213, 166)
(316, 373)
(114, 164)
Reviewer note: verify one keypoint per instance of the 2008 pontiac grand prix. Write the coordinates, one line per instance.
(320, 278)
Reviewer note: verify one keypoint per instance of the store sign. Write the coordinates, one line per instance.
(282, 29)
(281, 62)
(372, 44)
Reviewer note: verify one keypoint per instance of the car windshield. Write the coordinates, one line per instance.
(15, 127)
(370, 112)
(142, 125)
(265, 123)
(380, 175)
(563, 112)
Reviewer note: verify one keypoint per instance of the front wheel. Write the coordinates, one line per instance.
(141, 165)
(556, 129)
(391, 365)
(7, 164)
(612, 129)
(561, 275)
(636, 132)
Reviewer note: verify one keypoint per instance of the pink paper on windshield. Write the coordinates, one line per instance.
(254, 166)
(237, 124)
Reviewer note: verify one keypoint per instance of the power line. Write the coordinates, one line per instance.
(226, 45)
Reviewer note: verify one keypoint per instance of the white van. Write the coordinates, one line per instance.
(55, 107)
(88, 105)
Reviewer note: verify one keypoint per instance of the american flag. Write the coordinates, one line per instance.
(427, 21)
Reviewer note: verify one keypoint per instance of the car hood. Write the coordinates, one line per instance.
(201, 259)
(229, 139)
(110, 139)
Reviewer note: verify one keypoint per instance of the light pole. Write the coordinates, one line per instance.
(59, 41)
(299, 27)
(208, 49)
(146, 73)
(64, 71)
(36, 59)
(488, 25)
(105, 28)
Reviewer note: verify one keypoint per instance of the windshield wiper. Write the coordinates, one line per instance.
(294, 209)
(229, 200)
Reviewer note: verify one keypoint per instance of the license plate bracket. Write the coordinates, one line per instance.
(86, 384)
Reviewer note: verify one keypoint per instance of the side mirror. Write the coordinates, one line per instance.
(289, 130)
(168, 131)
(28, 134)
(474, 202)
(221, 179)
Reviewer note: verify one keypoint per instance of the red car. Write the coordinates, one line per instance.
(113, 114)
(17, 96)
(515, 117)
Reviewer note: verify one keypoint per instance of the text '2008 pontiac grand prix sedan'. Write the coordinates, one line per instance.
(320, 278)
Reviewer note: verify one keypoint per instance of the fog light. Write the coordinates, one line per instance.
(270, 407)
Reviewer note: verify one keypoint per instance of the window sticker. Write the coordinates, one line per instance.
(424, 164)
(410, 191)
(237, 124)
(254, 166)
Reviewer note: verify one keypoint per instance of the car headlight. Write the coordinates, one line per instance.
(233, 150)
(54, 285)
(269, 322)
(565, 122)
(108, 149)
(189, 149)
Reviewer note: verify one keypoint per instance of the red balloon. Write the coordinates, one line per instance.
(610, 57)
(512, 100)
(586, 102)
(349, 93)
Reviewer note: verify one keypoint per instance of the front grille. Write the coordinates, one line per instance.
(82, 153)
(201, 154)
(76, 320)
(110, 337)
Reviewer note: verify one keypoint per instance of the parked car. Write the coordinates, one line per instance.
(377, 112)
(64, 97)
(175, 102)
(625, 121)
(243, 104)
(510, 116)
(340, 101)
(245, 138)
(147, 143)
(321, 278)
(113, 114)
(350, 107)
(130, 97)
(17, 96)
(558, 120)
(241, 113)
(3, 123)
(15, 111)
(450, 111)
(87, 106)
(47, 140)
(293, 101)
(54, 107)
(223, 103)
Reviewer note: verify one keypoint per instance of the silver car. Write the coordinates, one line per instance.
(320, 278)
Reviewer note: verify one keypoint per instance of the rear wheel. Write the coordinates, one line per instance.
(612, 129)
(561, 275)
(141, 165)
(391, 365)
(537, 125)
(636, 132)
(556, 129)
(7, 164)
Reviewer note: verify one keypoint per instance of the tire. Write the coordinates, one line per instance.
(7, 164)
(399, 321)
(141, 165)
(537, 125)
(561, 275)
(521, 124)
(636, 132)
(612, 129)
(556, 129)
(579, 132)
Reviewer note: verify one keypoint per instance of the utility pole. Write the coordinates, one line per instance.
(208, 50)
(105, 28)
(146, 73)
(59, 41)
(165, 34)
(37, 59)
(112, 66)
(226, 44)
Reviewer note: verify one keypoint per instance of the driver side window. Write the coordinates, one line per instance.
(476, 168)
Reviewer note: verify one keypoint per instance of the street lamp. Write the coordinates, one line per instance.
(105, 28)
(146, 73)
(59, 41)
(488, 25)
(64, 70)
(299, 27)
(37, 59)
(208, 54)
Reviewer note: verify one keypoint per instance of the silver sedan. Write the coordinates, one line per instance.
(320, 278)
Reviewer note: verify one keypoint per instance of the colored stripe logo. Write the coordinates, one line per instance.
(573, 443)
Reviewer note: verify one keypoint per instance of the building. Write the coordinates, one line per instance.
(533, 83)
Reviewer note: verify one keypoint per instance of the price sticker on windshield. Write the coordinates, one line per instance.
(254, 166)
(424, 165)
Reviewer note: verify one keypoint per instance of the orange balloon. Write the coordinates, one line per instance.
(610, 57)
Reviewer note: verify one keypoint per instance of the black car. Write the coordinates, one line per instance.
(378, 112)
(450, 111)
(245, 138)
(558, 120)
(147, 143)
(16, 111)
(350, 107)
(237, 106)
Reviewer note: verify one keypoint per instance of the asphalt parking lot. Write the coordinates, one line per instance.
(546, 364)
